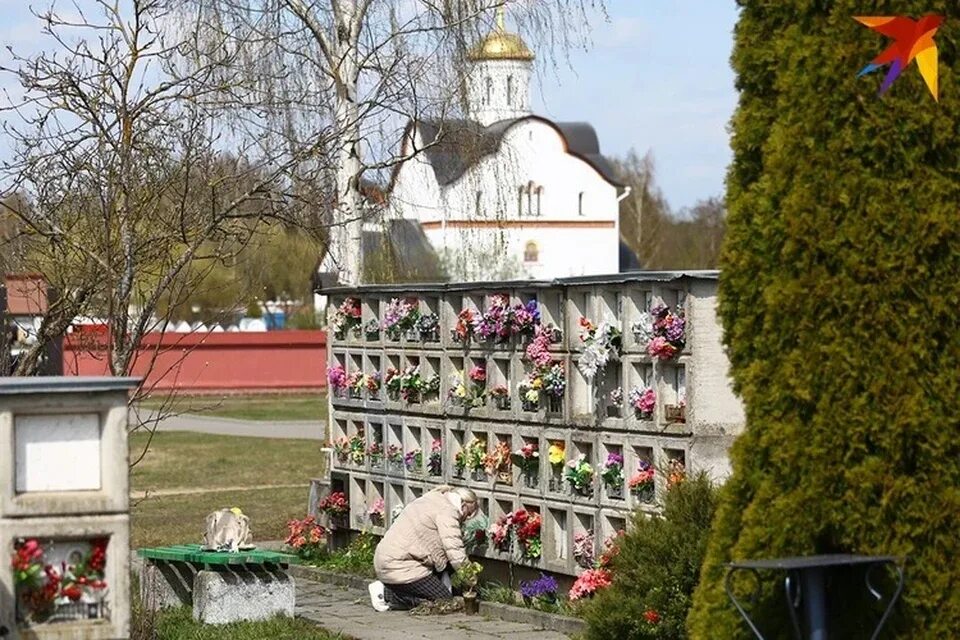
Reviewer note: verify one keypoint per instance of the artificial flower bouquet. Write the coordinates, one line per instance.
(435, 462)
(601, 345)
(580, 475)
(400, 316)
(347, 316)
(612, 475)
(643, 400)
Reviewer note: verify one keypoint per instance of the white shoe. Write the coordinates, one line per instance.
(376, 596)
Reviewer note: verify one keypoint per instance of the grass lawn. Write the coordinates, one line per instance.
(186, 461)
(178, 624)
(311, 407)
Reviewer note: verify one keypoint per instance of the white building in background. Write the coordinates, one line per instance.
(507, 194)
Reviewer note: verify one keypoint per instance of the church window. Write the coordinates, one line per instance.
(479, 202)
(530, 199)
(539, 198)
(489, 86)
(531, 253)
(580, 203)
(520, 201)
(510, 91)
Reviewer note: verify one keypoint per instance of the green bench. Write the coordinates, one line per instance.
(221, 587)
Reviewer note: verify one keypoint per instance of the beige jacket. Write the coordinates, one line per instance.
(425, 538)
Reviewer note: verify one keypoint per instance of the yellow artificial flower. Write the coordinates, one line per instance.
(461, 391)
(538, 383)
(532, 396)
(556, 453)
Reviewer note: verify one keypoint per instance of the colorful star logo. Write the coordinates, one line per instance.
(911, 39)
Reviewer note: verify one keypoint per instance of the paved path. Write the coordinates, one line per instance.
(345, 610)
(231, 427)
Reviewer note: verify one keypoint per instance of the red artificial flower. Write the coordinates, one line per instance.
(72, 592)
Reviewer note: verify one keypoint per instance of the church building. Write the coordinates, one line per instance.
(506, 194)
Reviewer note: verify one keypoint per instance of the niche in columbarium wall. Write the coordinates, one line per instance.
(373, 378)
(60, 581)
(499, 465)
(395, 501)
(412, 391)
(673, 389)
(394, 448)
(370, 307)
(498, 384)
(528, 533)
(390, 379)
(341, 446)
(640, 392)
(558, 535)
(432, 380)
(577, 309)
(358, 444)
(413, 455)
(581, 471)
(584, 540)
(376, 504)
(527, 458)
(611, 472)
(608, 307)
(355, 387)
(376, 449)
(674, 463)
(580, 392)
(358, 501)
(551, 314)
(456, 453)
(413, 492)
(429, 321)
(610, 395)
(57, 452)
(641, 475)
(557, 455)
(433, 447)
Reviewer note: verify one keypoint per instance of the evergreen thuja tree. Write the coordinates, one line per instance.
(840, 300)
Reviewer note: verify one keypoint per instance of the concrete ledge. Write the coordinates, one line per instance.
(495, 610)
(551, 621)
(222, 597)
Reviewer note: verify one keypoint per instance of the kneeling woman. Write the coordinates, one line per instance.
(424, 542)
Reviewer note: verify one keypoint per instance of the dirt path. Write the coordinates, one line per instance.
(140, 495)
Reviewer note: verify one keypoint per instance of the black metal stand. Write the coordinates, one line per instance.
(805, 586)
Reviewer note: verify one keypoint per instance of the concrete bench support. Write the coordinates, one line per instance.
(167, 584)
(231, 595)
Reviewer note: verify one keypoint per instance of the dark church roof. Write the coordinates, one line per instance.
(462, 143)
(397, 253)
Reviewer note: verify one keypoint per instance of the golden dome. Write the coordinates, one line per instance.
(501, 45)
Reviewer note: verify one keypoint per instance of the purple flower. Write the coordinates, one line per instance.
(614, 459)
(675, 328)
(544, 587)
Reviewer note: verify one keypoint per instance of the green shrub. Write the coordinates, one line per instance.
(839, 297)
(656, 569)
(356, 559)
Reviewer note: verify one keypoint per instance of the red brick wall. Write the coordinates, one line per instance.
(211, 362)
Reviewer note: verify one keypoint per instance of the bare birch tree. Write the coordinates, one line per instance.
(128, 185)
(376, 65)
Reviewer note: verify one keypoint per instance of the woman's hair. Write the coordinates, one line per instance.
(466, 495)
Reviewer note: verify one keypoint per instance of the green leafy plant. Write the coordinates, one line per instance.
(467, 576)
(655, 569)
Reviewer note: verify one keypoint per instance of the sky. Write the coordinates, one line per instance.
(657, 78)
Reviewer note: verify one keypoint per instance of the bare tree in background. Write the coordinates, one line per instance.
(128, 186)
(374, 66)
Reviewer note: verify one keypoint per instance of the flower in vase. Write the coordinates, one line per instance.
(526, 527)
(337, 377)
(589, 582)
(498, 460)
(643, 400)
(334, 504)
(583, 551)
(372, 382)
(435, 463)
(538, 351)
(643, 477)
(580, 473)
(395, 454)
(612, 471)
(413, 460)
(601, 345)
(527, 457)
(525, 318)
(676, 472)
(554, 381)
(616, 397)
(357, 448)
(478, 375)
(556, 454)
(466, 325)
(376, 510)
